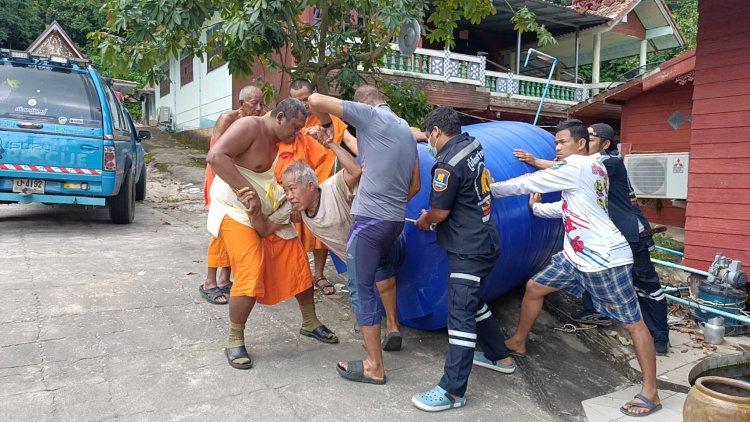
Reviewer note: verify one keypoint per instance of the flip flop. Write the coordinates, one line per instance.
(392, 341)
(355, 371)
(234, 353)
(210, 295)
(322, 333)
(647, 404)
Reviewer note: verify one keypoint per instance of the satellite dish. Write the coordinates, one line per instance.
(408, 36)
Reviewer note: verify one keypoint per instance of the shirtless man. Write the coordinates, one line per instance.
(217, 291)
(270, 269)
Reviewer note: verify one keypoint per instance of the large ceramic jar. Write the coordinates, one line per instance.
(717, 399)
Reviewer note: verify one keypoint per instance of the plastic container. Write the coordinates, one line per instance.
(528, 242)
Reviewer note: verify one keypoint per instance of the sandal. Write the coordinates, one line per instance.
(436, 400)
(235, 353)
(321, 333)
(392, 341)
(321, 283)
(226, 289)
(212, 295)
(647, 404)
(355, 371)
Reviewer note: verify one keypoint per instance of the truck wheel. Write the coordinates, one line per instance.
(140, 187)
(122, 206)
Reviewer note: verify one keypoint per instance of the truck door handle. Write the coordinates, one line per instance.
(89, 148)
(29, 125)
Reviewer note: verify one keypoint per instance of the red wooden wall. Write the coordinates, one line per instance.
(718, 211)
(644, 126)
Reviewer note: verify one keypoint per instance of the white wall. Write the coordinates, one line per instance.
(198, 103)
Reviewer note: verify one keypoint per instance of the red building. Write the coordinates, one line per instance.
(698, 102)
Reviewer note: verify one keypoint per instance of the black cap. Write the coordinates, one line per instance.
(603, 131)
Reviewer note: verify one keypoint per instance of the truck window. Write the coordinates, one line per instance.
(45, 94)
(118, 121)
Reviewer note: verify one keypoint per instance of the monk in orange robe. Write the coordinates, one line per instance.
(216, 290)
(320, 159)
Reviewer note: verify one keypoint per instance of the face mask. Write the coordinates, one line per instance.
(432, 150)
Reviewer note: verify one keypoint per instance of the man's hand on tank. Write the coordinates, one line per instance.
(534, 198)
(422, 223)
(524, 156)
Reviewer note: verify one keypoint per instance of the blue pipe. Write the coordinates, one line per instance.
(704, 308)
(549, 78)
(672, 251)
(679, 267)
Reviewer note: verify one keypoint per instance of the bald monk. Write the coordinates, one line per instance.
(270, 269)
(213, 290)
(308, 149)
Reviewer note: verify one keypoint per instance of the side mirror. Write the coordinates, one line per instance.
(144, 134)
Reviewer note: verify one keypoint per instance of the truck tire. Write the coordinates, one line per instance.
(122, 206)
(140, 187)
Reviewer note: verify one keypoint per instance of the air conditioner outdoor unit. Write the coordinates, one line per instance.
(661, 175)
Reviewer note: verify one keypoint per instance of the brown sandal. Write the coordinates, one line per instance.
(326, 287)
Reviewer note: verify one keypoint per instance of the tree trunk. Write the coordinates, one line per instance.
(321, 83)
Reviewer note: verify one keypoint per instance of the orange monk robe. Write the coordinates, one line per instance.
(209, 177)
(321, 159)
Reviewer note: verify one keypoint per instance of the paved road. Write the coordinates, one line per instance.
(100, 322)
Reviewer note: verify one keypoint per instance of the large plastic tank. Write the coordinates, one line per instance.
(527, 241)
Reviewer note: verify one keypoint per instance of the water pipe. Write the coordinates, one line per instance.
(679, 267)
(672, 251)
(549, 78)
(670, 289)
(737, 317)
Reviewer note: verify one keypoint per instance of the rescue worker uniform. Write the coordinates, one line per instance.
(461, 184)
(628, 218)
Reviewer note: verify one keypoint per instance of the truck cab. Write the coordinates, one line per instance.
(65, 138)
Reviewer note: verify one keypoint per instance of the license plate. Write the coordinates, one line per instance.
(28, 186)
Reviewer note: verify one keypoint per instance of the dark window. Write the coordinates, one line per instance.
(39, 93)
(118, 121)
(164, 83)
(186, 70)
(214, 60)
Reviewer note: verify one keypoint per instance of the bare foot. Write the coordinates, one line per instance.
(515, 346)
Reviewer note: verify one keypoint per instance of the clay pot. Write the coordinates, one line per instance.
(717, 399)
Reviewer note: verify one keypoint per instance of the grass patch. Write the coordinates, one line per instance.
(173, 199)
(197, 162)
(161, 166)
(148, 157)
(666, 241)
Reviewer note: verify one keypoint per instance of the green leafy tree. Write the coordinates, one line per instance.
(78, 17)
(406, 100)
(344, 35)
(20, 23)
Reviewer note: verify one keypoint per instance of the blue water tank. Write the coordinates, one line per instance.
(527, 241)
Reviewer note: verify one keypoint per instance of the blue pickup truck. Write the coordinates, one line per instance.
(65, 138)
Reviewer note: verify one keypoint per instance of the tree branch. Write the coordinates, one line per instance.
(323, 33)
(363, 56)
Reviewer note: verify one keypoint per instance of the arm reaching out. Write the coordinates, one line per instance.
(560, 177)
(529, 158)
(352, 169)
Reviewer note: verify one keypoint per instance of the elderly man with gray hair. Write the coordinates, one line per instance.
(326, 210)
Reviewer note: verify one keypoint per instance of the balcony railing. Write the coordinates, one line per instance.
(444, 65)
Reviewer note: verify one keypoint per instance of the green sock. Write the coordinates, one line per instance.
(310, 321)
(236, 335)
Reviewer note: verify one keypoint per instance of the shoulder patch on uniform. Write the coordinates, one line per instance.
(440, 180)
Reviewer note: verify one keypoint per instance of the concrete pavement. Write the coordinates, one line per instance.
(103, 322)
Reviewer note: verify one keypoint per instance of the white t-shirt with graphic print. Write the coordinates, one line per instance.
(592, 242)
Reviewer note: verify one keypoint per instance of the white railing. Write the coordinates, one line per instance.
(444, 65)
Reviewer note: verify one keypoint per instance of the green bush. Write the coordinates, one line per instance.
(406, 100)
